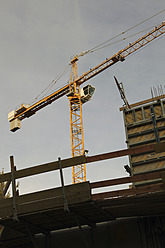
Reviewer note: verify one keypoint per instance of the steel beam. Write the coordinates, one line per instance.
(124, 180)
(110, 216)
(66, 209)
(61, 223)
(33, 226)
(85, 220)
(48, 240)
(144, 102)
(15, 217)
(82, 233)
(125, 152)
(82, 159)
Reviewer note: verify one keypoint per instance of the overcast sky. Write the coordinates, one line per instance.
(38, 38)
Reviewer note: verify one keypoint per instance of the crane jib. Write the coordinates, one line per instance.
(26, 112)
(136, 45)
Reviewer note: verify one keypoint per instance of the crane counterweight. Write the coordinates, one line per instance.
(15, 125)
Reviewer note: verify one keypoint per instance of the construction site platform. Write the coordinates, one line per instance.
(25, 216)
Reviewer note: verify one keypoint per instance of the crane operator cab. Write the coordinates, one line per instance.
(86, 93)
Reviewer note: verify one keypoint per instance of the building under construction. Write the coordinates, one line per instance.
(74, 215)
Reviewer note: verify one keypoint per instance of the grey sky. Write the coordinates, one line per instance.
(37, 41)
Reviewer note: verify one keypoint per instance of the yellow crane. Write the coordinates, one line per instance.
(79, 96)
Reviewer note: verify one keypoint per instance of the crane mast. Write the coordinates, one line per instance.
(76, 123)
(72, 90)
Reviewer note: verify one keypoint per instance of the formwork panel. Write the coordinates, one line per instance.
(141, 139)
(144, 168)
(141, 130)
(129, 117)
(139, 114)
(142, 158)
(147, 112)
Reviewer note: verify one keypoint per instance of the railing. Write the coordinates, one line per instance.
(146, 187)
(65, 163)
(79, 192)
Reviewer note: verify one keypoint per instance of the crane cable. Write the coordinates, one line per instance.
(51, 84)
(124, 38)
(101, 44)
(67, 68)
(96, 48)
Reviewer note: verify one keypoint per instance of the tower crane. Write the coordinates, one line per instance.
(79, 96)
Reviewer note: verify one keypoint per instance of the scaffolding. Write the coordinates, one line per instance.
(76, 205)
